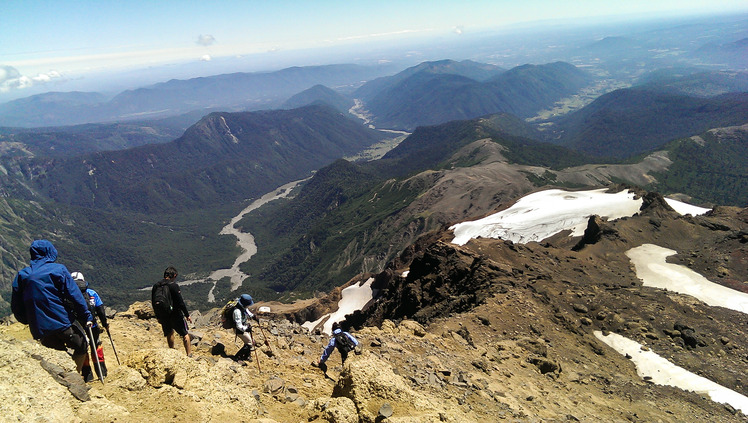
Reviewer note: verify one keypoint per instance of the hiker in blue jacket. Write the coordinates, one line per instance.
(343, 341)
(45, 297)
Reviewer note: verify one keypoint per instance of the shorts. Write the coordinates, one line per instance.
(72, 337)
(175, 322)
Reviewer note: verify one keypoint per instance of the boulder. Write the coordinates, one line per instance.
(370, 382)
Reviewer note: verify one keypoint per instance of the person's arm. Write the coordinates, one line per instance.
(176, 297)
(327, 351)
(16, 302)
(99, 307)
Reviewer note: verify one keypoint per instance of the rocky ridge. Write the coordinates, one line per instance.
(488, 331)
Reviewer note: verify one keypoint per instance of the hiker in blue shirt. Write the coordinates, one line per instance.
(96, 307)
(343, 341)
(45, 297)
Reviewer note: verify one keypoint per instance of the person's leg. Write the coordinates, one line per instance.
(187, 344)
(180, 327)
(170, 339)
(78, 359)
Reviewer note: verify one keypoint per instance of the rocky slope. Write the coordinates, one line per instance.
(489, 331)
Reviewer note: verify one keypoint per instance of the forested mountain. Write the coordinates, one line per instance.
(711, 167)
(632, 121)
(211, 162)
(428, 98)
(319, 94)
(51, 109)
(68, 141)
(695, 82)
(227, 92)
(467, 68)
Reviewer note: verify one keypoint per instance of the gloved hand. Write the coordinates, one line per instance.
(357, 350)
(89, 324)
(255, 318)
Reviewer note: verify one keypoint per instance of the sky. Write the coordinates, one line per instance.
(44, 41)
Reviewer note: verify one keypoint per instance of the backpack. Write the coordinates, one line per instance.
(344, 342)
(161, 300)
(89, 302)
(227, 315)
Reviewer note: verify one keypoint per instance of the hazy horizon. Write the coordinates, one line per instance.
(63, 47)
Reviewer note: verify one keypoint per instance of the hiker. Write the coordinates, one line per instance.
(96, 307)
(241, 317)
(345, 343)
(45, 297)
(170, 309)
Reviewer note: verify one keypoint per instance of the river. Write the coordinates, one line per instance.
(244, 240)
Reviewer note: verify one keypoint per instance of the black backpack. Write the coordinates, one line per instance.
(344, 342)
(161, 300)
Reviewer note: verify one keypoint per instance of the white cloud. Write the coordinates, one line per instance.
(458, 30)
(11, 79)
(205, 58)
(7, 73)
(205, 39)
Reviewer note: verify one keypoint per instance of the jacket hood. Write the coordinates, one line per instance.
(42, 251)
(337, 331)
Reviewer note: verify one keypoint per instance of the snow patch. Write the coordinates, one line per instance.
(685, 208)
(353, 298)
(652, 268)
(663, 372)
(540, 215)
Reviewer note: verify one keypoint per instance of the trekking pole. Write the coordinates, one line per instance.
(95, 355)
(257, 357)
(112, 341)
(264, 336)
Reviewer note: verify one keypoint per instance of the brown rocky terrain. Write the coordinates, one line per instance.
(489, 331)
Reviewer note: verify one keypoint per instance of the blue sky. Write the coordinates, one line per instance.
(47, 40)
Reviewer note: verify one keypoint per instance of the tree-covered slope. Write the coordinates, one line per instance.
(427, 98)
(319, 94)
(628, 122)
(711, 167)
(224, 157)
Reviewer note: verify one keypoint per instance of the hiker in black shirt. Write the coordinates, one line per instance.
(172, 318)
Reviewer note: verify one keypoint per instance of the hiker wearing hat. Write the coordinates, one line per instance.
(45, 297)
(343, 341)
(96, 307)
(242, 329)
(170, 309)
